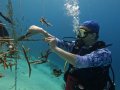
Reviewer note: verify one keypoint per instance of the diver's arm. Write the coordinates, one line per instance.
(46, 34)
(69, 57)
(38, 30)
(68, 46)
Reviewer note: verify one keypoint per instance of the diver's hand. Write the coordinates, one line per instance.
(38, 30)
(35, 29)
(51, 41)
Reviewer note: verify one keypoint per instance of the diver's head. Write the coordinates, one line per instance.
(88, 31)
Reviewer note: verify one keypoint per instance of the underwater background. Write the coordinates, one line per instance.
(64, 15)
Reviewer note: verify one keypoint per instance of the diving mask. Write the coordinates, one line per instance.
(82, 33)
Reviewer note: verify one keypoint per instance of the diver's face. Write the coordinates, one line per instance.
(85, 35)
(83, 32)
(90, 39)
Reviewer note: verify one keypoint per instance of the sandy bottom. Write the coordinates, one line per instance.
(41, 77)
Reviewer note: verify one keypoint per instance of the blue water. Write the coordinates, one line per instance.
(106, 12)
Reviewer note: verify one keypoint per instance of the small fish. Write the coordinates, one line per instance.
(43, 21)
(6, 18)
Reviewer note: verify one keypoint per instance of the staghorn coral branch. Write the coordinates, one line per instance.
(45, 56)
(26, 57)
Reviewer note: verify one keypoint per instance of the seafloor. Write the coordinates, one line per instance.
(42, 77)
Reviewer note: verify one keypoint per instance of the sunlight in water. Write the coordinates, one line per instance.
(72, 8)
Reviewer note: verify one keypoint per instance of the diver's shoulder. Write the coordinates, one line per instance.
(104, 50)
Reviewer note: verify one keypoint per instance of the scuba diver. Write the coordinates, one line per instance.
(89, 59)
